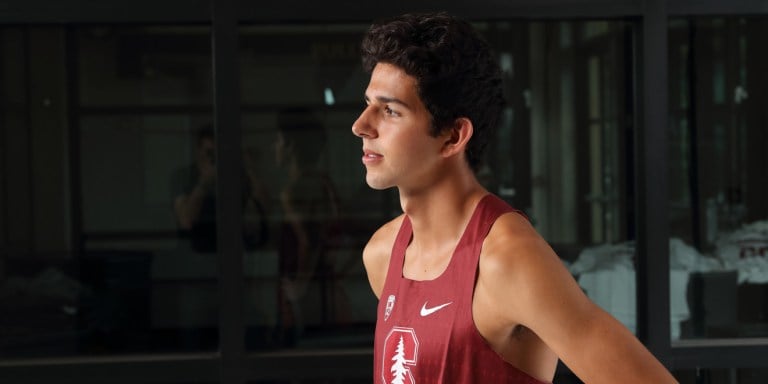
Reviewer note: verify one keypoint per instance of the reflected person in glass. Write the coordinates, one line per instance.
(194, 203)
(310, 208)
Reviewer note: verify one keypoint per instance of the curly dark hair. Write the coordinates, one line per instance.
(456, 72)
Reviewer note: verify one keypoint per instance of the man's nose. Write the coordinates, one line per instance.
(362, 127)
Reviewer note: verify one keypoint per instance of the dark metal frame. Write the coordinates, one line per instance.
(652, 229)
(226, 86)
(231, 364)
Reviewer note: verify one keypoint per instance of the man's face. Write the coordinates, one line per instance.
(397, 147)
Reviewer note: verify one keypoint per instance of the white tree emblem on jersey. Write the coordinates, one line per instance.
(399, 370)
(403, 347)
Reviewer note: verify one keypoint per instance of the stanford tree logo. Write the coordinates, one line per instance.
(401, 348)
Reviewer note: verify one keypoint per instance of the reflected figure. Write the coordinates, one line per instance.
(194, 203)
(310, 207)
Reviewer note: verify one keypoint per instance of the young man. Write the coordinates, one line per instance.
(468, 291)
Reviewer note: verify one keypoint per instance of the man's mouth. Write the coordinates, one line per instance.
(370, 156)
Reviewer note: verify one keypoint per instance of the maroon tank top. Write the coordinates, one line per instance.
(424, 329)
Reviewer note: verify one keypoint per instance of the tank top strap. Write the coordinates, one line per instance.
(467, 253)
(397, 257)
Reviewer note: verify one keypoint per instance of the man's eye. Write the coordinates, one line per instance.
(389, 111)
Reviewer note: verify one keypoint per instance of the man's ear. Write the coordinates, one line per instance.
(457, 137)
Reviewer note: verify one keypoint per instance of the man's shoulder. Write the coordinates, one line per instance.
(515, 258)
(514, 227)
(511, 242)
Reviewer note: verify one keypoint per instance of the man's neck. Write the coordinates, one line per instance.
(441, 213)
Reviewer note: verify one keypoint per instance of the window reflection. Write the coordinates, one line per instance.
(718, 214)
(575, 177)
(302, 88)
(91, 260)
(146, 179)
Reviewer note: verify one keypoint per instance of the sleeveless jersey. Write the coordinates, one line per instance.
(425, 333)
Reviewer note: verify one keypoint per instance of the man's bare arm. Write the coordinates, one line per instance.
(547, 300)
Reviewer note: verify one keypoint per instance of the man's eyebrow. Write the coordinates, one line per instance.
(389, 100)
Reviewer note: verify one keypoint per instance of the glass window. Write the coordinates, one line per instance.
(718, 181)
(100, 130)
(302, 89)
(565, 152)
(147, 175)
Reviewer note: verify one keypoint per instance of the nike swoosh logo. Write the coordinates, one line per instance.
(428, 311)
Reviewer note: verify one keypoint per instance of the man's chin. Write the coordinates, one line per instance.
(377, 184)
(378, 187)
